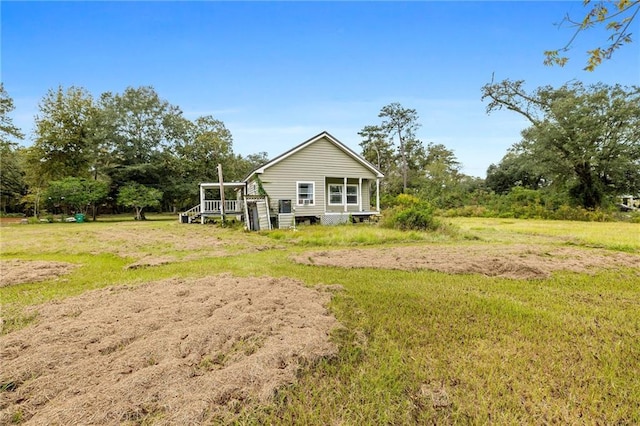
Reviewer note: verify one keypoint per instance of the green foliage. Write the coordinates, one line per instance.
(410, 213)
(582, 139)
(12, 181)
(76, 194)
(139, 196)
(8, 130)
(614, 17)
(524, 203)
(63, 134)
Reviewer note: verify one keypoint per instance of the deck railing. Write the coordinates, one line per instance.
(230, 206)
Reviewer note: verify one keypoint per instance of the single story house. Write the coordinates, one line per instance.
(320, 180)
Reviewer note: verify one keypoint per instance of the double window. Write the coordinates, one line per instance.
(336, 194)
(306, 191)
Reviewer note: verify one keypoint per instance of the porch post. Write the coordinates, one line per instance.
(201, 204)
(344, 194)
(360, 194)
(378, 195)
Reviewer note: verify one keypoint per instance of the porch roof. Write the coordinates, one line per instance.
(216, 185)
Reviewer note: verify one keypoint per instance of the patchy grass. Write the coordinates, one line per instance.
(356, 235)
(620, 236)
(417, 347)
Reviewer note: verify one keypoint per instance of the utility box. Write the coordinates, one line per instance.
(284, 206)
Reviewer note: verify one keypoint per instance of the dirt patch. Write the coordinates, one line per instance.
(25, 271)
(510, 261)
(172, 352)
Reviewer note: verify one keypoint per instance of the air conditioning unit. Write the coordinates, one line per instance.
(306, 202)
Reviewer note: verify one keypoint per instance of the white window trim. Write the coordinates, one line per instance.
(341, 193)
(313, 193)
(357, 194)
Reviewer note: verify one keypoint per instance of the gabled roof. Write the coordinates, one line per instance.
(308, 142)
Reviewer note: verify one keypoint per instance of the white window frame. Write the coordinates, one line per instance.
(339, 185)
(312, 201)
(357, 194)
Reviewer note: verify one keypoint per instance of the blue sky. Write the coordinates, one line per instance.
(278, 73)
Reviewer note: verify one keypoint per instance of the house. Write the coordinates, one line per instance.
(320, 180)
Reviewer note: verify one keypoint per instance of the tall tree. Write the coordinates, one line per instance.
(12, 183)
(209, 143)
(63, 134)
(442, 175)
(145, 132)
(586, 138)
(8, 130)
(401, 122)
(615, 17)
(143, 124)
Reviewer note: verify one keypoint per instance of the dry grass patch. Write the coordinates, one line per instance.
(175, 351)
(23, 271)
(508, 261)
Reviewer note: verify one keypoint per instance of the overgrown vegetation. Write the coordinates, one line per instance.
(410, 213)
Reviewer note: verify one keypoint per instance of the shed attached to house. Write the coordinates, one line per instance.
(319, 180)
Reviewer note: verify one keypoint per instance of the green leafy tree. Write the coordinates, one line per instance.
(146, 132)
(585, 139)
(8, 130)
(209, 143)
(63, 134)
(516, 169)
(143, 124)
(615, 17)
(76, 194)
(442, 175)
(12, 184)
(139, 197)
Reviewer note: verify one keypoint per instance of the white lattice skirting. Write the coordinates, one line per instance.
(335, 219)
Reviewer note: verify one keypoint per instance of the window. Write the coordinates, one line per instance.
(352, 194)
(335, 194)
(305, 193)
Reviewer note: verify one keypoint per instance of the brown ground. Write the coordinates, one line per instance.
(510, 261)
(176, 351)
(24, 271)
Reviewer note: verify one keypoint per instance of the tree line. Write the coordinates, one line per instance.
(582, 149)
(113, 151)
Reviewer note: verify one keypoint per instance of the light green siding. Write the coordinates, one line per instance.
(317, 162)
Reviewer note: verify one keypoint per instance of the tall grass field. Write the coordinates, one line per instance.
(415, 347)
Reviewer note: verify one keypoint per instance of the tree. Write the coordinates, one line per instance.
(143, 124)
(139, 196)
(77, 194)
(209, 144)
(616, 18)
(441, 170)
(7, 128)
(63, 134)
(146, 132)
(12, 183)
(517, 168)
(585, 139)
(401, 122)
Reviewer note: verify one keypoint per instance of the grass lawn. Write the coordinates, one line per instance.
(416, 347)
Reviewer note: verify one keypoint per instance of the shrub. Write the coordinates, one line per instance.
(410, 213)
